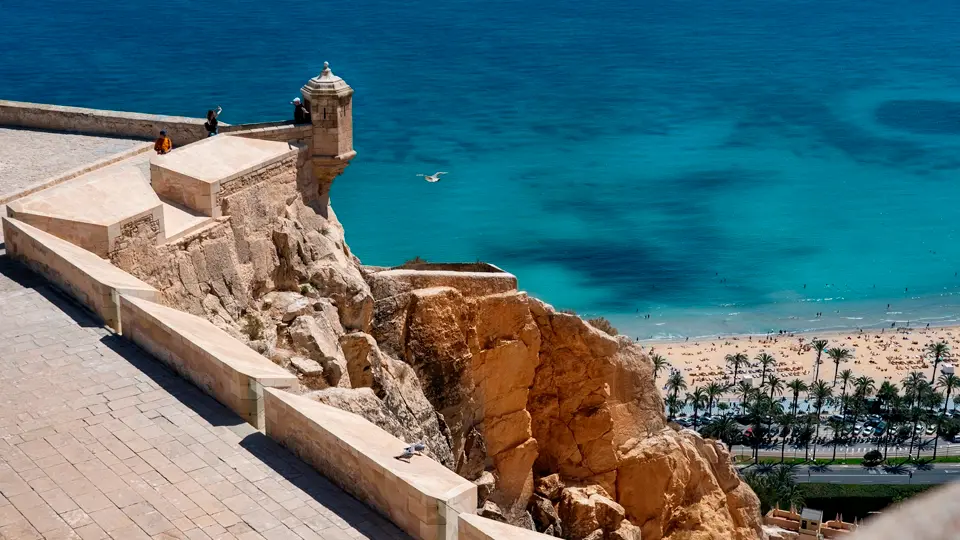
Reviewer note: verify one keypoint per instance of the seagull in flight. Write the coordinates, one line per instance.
(432, 178)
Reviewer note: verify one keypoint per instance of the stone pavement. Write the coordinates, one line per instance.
(29, 156)
(98, 441)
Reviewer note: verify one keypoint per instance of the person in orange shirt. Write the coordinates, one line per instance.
(163, 144)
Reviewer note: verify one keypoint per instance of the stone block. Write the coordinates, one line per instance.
(220, 365)
(474, 527)
(419, 495)
(92, 281)
(101, 211)
(201, 175)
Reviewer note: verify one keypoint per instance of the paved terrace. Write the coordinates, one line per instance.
(98, 440)
(29, 156)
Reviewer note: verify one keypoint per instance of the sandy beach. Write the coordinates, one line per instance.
(886, 355)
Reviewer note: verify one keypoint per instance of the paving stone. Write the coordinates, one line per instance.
(101, 442)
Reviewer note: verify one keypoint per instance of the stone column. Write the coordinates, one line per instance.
(331, 148)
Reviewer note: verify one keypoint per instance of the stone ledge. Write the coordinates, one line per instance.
(220, 365)
(92, 281)
(420, 496)
(474, 527)
(182, 130)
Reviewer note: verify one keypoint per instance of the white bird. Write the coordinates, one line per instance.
(412, 450)
(433, 178)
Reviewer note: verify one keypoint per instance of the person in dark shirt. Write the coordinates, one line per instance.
(301, 112)
(212, 124)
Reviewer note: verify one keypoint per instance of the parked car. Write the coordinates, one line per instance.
(931, 429)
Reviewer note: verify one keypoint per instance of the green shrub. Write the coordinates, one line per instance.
(568, 311)
(253, 327)
(601, 323)
(872, 458)
(415, 260)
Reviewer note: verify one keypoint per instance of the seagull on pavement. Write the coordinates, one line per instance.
(432, 178)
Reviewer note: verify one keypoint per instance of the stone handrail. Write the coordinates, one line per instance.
(419, 495)
(182, 130)
(92, 281)
(225, 368)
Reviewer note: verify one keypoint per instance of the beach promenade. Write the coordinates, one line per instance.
(98, 440)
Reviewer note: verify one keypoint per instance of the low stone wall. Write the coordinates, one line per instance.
(782, 522)
(474, 527)
(473, 283)
(87, 236)
(181, 130)
(420, 496)
(272, 131)
(92, 281)
(221, 366)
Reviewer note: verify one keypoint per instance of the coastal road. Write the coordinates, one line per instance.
(941, 473)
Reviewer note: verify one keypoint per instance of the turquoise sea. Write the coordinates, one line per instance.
(724, 167)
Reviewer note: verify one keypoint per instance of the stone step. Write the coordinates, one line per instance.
(179, 221)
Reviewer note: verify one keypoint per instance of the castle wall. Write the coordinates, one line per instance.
(181, 130)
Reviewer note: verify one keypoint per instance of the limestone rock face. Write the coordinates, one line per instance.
(321, 340)
(669, 488)
(396, 385)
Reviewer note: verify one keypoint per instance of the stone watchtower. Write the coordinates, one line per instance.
(331, 111)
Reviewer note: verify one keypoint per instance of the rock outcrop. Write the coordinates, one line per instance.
(559, 424)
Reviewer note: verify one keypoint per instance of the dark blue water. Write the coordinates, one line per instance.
(698, 161)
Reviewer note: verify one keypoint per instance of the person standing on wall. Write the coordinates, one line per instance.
(212, 124)
(163, 144)
(301, 112)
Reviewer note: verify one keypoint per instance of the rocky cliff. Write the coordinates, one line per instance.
(559, 424)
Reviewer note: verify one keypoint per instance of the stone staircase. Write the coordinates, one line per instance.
(179, 221)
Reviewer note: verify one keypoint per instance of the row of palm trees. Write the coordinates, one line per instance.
(921, 401)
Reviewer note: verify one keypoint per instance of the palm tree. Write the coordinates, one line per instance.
(845, 376)
(821, 393)
(765, 361)
(863, 388)
(886, 394)
(776, 385)
(940, 351)
(675, 383)
(837, 427)
(745, 390)
(914, 387)
(726, 429)
(948, 383)
(659, 363)
(838, 355)
(797, 386)
(697, 399)
(737, 360)
(714, 390)
(787, 420)
(673, 405)
(818, 345)
(722, 407)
